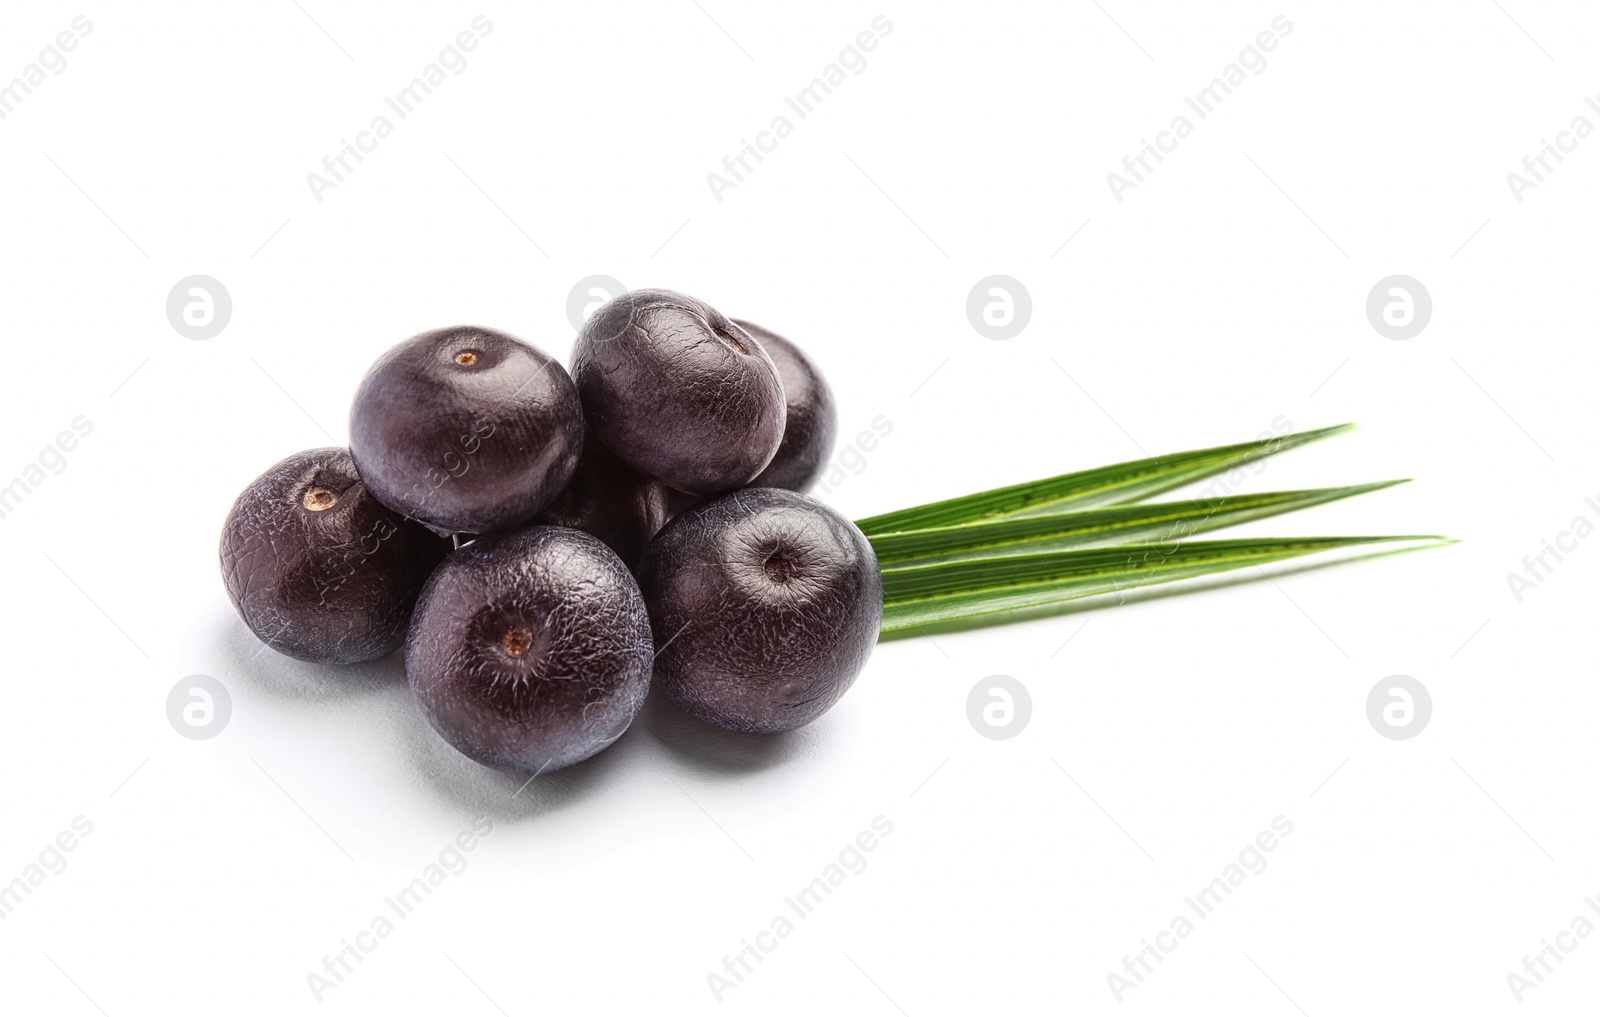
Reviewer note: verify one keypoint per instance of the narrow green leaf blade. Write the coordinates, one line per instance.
(1106, 485)
(1163, 522)
(990, 590)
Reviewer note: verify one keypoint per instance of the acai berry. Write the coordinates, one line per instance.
(530, 650)
(317, 568)
(811, 417)
(611, 500)
(765, 606)
(678, 391)
(466, 429)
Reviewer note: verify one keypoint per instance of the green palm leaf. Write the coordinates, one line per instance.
(1106, 485)
(999, 589)
(1162, 522)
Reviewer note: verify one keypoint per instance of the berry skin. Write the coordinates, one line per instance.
(466, 429)
(812, 419)
(679, 503)
(317, 568)
(611, 500)
(765, 606)
(530, 650)
(678, 391)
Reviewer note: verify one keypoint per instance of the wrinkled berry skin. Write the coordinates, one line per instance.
(466, 429)
(317, 568)
(765, 606)
(610, 500)
(678, 391)
(811, 416)
(530, 650)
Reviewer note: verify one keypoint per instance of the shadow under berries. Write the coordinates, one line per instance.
(510, 796)
(286, 678)
(713, 750)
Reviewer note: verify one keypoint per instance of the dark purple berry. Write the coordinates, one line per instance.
(466, 429)
(678, 503)
(765, 606)
(610, 500)
(530, 650)
(319, 569)
(678, 391)
(811, 420)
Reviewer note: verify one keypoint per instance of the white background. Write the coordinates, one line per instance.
(1225, 292)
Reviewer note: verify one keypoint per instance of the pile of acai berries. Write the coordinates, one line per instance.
(547, 546)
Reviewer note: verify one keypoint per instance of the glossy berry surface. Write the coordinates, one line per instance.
(811, 417)
(765, 606)
(678, 391)
(530, 650)
(466, 429)
(317, 568)
(611, 500)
